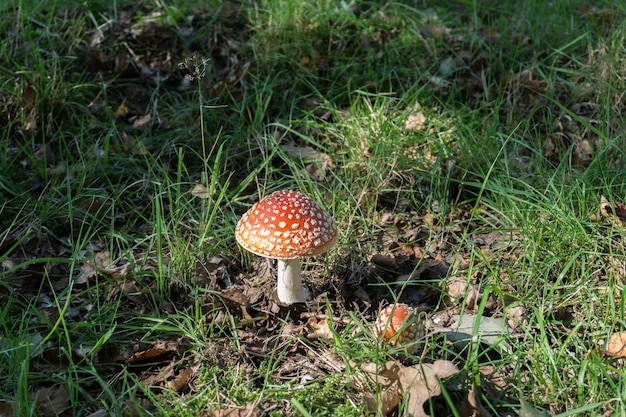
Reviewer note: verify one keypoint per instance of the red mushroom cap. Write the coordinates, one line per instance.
(286, 225)
(398, 324)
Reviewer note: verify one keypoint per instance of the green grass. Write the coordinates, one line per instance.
(114, 113)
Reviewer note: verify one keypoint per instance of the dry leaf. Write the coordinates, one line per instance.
(7, 408)
(473, 407)
(201, 191)
(318, 162)
(582, 154)
(418, 383)
(617, 345)
(523, 85)
(615, 213)
(415, 121)
(179, 382)
(385, 396)
(141, 121)
(458, 287)
(150, 356)
(421, 382)
(104, 265)
(605, 17)
(87, 271)
(235, 299)
(98, 413)
(52, 401)
(321, 329)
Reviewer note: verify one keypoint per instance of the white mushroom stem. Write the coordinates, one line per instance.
(290, 289)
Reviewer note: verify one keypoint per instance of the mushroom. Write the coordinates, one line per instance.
(399, 324)
(287, 225)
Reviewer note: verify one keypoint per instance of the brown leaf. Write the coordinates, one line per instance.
(201, 191)
(417, 382)
(582, 153)
(321, 329)
(421, 382)
(179, 382)
(52, 401)
(235, 299)
(473, 407)
(617, 345)
(458, 287)
(318, 162)
(7, 408)
(415, 121)
(87, 272)
(384, 261)
(150, 356)
(386, 395)
(141, 121)
(104, 265)
(615, 212)
(522, 85)
(605, 17)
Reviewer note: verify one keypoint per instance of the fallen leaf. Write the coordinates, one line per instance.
(517, 317)
(605, 17)
(460, 287)
(235, 299)
(422, 382)
(87, 272)
(582, 154)
(7, 408)
(141, 121)
(201, 191)
(473, 407)
(317, 162)
(103, 264)
(523, 86)
(615, 213)
(321, 329)
(52, 401)
(417, 383)
(150, 356)
(385, 396)
(178, 382)
(415, 121)
(617, 345)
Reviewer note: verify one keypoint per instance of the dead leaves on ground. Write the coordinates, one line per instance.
(317, 163)
(617, 345)
(563, 119)
(163, 364)
(614, 212)
(397, 387)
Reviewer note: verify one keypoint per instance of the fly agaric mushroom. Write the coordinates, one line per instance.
(399, 324)
(287, 225)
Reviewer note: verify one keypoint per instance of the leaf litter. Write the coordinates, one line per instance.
(413, 251)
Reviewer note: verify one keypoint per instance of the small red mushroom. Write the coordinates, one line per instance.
(287, 225)
(398, 324)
